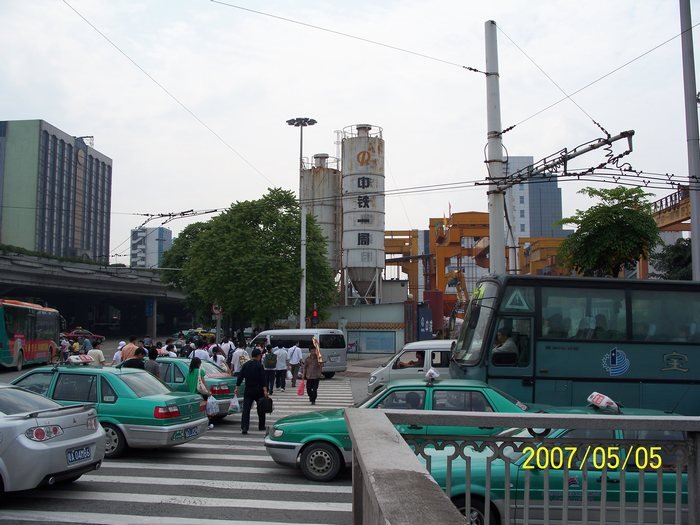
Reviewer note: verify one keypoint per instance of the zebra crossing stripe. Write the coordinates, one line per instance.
(274, 468)
(197, 501)
(14, 516)
(220, 484)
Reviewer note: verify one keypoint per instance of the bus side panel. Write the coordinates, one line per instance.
(682, 400)
(516, 387)
(6, 357)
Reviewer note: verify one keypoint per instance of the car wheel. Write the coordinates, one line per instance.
(320, 462)
(328, 375)
(477, 513)
(115, 444)
(20, 361)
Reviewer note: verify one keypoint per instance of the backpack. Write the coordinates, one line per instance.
(229, 357)
(270, 360)
(243, 358)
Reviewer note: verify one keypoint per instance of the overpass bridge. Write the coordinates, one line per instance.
(103, 299)
(672, 212)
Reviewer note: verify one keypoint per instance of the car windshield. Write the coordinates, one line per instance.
(211, 368)
(366, 401)
(18, 401)
(144, 384)
(510, 398)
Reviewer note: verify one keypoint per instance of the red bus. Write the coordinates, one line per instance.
(29, 333)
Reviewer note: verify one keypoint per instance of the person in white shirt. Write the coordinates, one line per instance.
(281, 368)
(97, 356)
(294, 355)
(236, 359)
(200, 352)
(117, 358)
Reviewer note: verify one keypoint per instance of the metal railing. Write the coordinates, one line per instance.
(524, 478)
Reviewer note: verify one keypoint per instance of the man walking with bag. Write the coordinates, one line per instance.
(294, 354)
(253, 374)
(281, 368)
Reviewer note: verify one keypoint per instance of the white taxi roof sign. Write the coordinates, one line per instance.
(79, 359)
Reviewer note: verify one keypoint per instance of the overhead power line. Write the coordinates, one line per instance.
(347, 35)
(168, 92)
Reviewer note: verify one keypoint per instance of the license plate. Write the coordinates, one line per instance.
(74, 455)
(334, 359)
(191, 432)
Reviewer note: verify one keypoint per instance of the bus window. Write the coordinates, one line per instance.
(469, 348)
(511, 343)
(665, 316)
(576, 313)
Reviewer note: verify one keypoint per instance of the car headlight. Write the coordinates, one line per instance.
(372, 380)
(276, 432)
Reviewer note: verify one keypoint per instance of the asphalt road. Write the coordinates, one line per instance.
(220, 478)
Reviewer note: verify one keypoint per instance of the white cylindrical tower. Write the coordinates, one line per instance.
(363, 212)
(320, 192)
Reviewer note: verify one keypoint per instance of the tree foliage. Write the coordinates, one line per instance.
(248, 260)
(674, 261)
(611, 235)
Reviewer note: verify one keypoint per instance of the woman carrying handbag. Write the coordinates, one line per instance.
(195, 382)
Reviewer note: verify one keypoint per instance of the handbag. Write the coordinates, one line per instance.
(235, 405)
(300, 388)
(289, 375)
(201, 387)
(265, 405)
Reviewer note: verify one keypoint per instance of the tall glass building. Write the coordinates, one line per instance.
(55, 191)
(533, 208)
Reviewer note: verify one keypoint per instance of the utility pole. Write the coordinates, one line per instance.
(494, 154)
(691, 131)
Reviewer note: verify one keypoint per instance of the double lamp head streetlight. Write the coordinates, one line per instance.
(301, 123)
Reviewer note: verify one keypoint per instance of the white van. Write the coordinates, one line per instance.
(412, 362)
(332, 343)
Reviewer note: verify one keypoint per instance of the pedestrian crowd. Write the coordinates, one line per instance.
(267, 368)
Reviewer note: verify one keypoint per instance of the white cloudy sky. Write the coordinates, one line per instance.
(244, 74)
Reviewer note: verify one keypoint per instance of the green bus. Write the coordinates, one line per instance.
(554, 340)
(29, 333)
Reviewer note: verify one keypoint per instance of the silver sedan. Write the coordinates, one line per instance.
(42, 442)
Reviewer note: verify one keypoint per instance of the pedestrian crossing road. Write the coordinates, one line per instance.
(222, 477)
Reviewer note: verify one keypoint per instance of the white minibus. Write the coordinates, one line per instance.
(332, 343)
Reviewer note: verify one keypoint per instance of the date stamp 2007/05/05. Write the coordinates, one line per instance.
(598, 457)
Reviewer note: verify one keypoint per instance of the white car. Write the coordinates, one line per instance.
(42, 442)
(412, 362)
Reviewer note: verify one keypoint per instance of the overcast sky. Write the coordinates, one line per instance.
(241, 75)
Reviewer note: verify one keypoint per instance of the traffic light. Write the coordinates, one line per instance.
(314, 317)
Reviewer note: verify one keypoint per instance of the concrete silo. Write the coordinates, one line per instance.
(363, 213)
(320, 193)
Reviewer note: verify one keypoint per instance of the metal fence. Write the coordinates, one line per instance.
(602, 469)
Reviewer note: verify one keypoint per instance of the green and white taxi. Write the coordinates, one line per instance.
(319, 442)
(135, 409)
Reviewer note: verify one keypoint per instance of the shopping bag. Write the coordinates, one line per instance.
(300, 388)
(289, 375)
(212, 406)
(235, 406)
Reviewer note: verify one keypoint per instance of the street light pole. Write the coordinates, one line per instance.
(301, 122)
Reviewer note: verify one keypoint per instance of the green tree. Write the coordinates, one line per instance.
(611, 235)
(247, 260)
(674, 261)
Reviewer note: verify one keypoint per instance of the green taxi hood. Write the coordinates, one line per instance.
(312, 418)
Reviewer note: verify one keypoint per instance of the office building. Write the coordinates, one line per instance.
(534, 207)
(55, 191)
(148, 246)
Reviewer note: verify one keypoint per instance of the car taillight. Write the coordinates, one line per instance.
(92, 423)
(43, 433)
(166, 412)
(220, 389)
(202, 406)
